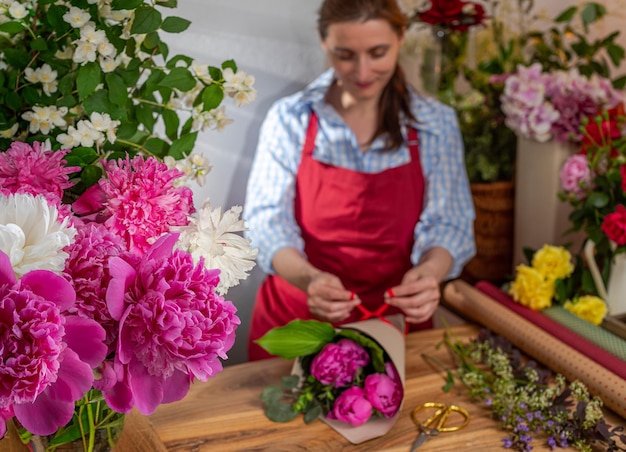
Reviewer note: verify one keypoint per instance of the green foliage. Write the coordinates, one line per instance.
(121, 68)
(565, 45)
(297, 338)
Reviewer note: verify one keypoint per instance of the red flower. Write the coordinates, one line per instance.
(454, 14)
(614, 225)
(622, 171)
(603, 133)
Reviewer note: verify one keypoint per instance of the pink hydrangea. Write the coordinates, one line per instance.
(33, 170)
(87, 269)
(173, 325)
(46, 356)
(337, 363)
(141, 200)
(575, 175)
(352, 407)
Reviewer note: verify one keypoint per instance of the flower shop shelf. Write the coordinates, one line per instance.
(226, 412)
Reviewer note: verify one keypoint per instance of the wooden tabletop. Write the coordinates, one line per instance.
(226, 413)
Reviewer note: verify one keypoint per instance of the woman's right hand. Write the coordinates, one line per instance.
(328, 300)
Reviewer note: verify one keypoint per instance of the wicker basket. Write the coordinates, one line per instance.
(493, 229)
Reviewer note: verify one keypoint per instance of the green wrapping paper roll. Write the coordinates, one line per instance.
(538, 344)
(599, 336)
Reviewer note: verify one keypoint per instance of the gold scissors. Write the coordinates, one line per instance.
(438, 420)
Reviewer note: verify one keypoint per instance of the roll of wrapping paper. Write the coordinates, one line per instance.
(539, 344)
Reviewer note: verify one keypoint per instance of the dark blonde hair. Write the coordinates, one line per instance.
(395, 98)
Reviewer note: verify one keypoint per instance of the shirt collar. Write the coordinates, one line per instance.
(425, 109)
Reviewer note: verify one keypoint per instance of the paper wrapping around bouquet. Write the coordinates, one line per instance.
(543, 345)
(391, 338)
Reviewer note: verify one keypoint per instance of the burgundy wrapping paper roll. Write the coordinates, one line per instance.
(539, 344)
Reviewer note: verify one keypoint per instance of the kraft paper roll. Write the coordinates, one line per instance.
(538, 344)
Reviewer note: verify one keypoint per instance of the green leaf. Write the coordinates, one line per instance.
(11, 27)
(172, 122)
(168, 3)
(147, 19)
(90, 175)
(125, 4)
(66, 435)
(100, 102)
(616, 53)
(280, 412)
(145, 115)
(597, 200)
(54, 16)
(179, 78)
(271, 395)
(183, 146)
(175, 24)
(88, 78)
(313, 413)
(16, 58)
(151, 41)
(39, 44)
(215, 73)
(231, 64)
(157, 146)
(13, 100)
(173, 62)
(81, 156)
(212, 97)
(297, 338)
(290, 382)
(620, 82)
(118, 91)
(566, 15)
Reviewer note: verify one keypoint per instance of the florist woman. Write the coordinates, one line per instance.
(358, 198)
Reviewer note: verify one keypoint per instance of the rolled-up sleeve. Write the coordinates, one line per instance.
(447, 219)
(269, 206)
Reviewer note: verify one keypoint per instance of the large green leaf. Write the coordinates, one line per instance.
(11, 27)
(175, 24)
(118, 91)
(179, 78)
(212, 96)
(297, 338)
(125, 4)
(88, 78)
(147, 19)
(183, 146)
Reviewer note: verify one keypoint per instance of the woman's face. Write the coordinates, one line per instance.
(364, 56)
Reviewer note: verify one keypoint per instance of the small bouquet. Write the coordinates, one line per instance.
(352, 377)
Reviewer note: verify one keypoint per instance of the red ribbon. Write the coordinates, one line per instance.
(378, 313)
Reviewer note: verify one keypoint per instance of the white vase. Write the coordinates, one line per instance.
(614, 293)
(541, 218)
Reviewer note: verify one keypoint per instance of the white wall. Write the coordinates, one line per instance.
(276, 41)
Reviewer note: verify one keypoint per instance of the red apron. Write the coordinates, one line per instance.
(357, 226)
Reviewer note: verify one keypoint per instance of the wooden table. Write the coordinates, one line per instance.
(226, 414)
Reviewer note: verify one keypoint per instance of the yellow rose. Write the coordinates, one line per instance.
(553, 262)
(588, 307)
(531, 288)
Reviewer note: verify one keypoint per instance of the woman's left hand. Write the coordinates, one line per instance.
(417, 295)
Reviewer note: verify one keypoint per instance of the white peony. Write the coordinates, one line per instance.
(216, 237)
(32, 235)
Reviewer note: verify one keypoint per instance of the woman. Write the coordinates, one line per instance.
(356, 179)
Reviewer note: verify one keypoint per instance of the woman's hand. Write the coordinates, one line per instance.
(417, 296)
(328, 300)
(419, 292)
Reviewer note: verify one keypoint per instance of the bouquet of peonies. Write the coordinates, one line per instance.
(551, 276)
(111, 302)
(352, 377)
(543, 105)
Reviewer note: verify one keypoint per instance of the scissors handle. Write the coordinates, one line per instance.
(441, 416)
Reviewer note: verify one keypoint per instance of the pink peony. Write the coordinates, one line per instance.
(173, 326)
(46, 356)
(338, 363)
(384, 391)
(87, 269)
(614, 225)
(352, 406)
(33, 170)
(576, 176)
(142, 202)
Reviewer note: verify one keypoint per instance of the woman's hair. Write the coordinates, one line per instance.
(395, 97)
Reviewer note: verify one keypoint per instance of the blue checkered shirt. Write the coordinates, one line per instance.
(448, 213)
